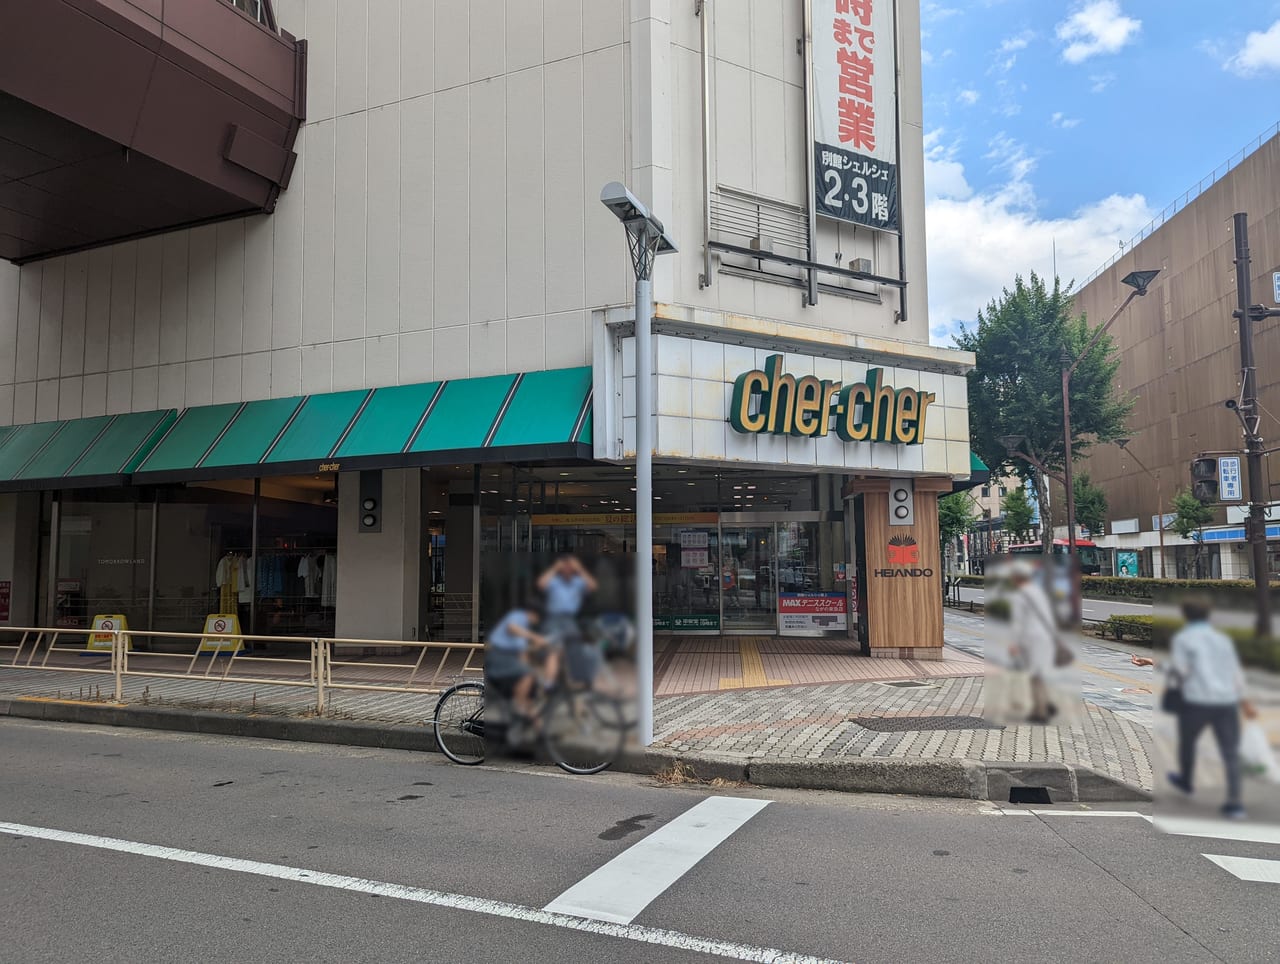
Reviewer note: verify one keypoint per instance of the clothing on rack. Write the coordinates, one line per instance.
(309, 572)
(329, 581)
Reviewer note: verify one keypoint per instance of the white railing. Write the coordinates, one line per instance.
(308, 663)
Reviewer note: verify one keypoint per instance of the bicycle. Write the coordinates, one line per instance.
(581, 729)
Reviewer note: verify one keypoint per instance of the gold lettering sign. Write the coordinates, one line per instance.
(329, 466)
(774, 403)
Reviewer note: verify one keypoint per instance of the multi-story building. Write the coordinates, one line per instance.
(1180, 359)
(332, 329)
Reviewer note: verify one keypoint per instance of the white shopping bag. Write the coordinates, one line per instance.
(1255, 754)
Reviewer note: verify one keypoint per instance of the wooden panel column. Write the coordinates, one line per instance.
(903, 591)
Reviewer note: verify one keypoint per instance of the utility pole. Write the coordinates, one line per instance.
(1246, 314)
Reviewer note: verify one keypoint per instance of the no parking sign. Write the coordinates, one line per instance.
(103, 631)
(217, 627)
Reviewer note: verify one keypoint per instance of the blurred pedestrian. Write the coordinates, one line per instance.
(1205, 689)
(1034, 634)
(565, 587)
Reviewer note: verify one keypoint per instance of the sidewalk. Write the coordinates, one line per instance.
(887, 727)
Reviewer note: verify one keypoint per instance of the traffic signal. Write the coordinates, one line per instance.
(370, 502)
(1204, 480)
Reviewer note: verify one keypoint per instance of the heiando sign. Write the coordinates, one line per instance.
(770, 402)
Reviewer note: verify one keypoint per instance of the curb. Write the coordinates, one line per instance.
(964, 779)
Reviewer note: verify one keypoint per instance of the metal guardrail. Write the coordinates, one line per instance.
(307, 663)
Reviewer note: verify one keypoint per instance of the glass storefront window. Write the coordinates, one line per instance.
(104, 559)
(686, 572)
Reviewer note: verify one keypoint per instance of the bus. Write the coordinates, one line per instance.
(1088, 552)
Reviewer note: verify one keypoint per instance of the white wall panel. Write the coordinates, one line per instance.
(95, 396)
(566, 189)
(488, 54)
(453, 43)
(286, 372)
(452, 209)
(526, 198)
(317, 369)
(563, 28)
(146, 319)
(524, 22)
(526, 343)
(451, 355)
(49, 338)
(733, 126)
(488, 343)
(28, 341)
(255, 375)
(202, 260)
(417, 48)
(228, 379)
(381, 361)
(352, 80)
(382, 255)
(415, 357)
(348, 365)
(173, 297)
(259, 282)
(322, 58)
(70, 397)
(146, 387)
(604, 23)
(487, 234)
(228, 290)
(10, 284)
(608, 267)
(119, 392)
(172, 386)
(384, 52)
(566, 340)
(317, 229)
(24, 403)
(351, 180)
(124, 273)
(417, 214)
(47, 400)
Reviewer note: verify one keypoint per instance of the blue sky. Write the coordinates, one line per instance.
(1076, 121)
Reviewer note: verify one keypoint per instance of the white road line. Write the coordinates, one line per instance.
(1065, 813)
(631, 881)
(1219, 829)
(476, 905)
(1249, 868)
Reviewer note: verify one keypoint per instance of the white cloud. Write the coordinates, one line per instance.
(1261, 52)
(978, 241)
(1013, 44)
(1061, 120)
(1097, 27)
(968, 97)
(1100, 82)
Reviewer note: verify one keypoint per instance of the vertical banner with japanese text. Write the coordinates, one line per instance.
(854, 84)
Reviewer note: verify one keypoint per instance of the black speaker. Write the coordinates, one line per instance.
(370, 515)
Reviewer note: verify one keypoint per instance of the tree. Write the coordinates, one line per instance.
(955, 518)
(1091, 504)
(1190, 516)
(1018, 513)
(1016, 386)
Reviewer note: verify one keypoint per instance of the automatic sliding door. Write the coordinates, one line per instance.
(748, 578)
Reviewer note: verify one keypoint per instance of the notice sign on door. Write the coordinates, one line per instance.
(813, 611)
(103, 631)
(695, 558)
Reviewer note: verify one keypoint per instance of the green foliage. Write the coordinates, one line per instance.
(1091, 504)
(998, 609)
(1018, 513)
(1016, 386)
(1190, 515)
(955, 516)
(1221, 591)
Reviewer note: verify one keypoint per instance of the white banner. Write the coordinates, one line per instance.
(854, 89)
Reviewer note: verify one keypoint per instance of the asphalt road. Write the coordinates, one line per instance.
(346, 854)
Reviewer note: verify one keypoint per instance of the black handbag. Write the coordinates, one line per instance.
(1171, 701)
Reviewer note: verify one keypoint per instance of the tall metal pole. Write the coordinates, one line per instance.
(1253, 440)
(1070, 487)
(644, 496)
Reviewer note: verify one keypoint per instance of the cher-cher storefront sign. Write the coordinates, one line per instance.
(771, 402)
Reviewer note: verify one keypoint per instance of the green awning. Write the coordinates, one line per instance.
(101, 450)
(979, 474)
(534, 416)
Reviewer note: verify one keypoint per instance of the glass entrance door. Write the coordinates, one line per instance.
(749, 578)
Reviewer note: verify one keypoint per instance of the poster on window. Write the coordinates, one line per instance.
(813, 612)
(695, 558)
(854, 90)
(1126, 563)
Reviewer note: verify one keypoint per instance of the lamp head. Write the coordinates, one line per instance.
(1139, 280)
(1122, 442)
(624, 205)
(1011, 443)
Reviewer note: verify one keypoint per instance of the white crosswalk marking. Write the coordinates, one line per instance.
(1249, 868)
(1219, 829)
(630, 882)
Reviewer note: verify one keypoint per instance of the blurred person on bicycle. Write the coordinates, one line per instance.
(512, 654)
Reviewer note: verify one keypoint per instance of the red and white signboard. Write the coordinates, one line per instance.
(813, 612)
(855, 128)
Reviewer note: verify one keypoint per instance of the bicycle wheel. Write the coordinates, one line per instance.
(459, 723)
(583, 732)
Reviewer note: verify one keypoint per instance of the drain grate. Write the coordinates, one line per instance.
(900, 724)
(908, 684)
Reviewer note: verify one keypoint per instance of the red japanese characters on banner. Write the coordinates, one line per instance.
(854, 89)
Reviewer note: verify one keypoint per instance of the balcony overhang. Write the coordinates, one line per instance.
(123, 118)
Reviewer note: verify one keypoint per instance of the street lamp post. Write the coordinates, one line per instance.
(646, 239)
(1139, 281)
(1123, 443)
